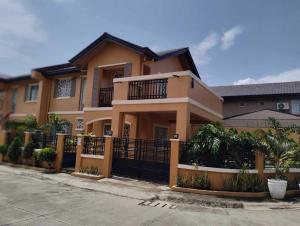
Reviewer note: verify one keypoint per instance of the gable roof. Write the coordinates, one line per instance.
(139, 49)
(264, 89)
(264, 115)
(9, 79)
(58, 69)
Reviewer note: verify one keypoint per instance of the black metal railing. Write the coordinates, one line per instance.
(148, 89)
(70, 144)
(105, 96)
(231, 160)
(94, 145)
(142, 150)
(42, 140)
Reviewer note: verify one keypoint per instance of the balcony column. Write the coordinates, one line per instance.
(183, 125)
(117, 123)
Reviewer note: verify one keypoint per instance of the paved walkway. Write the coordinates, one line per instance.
(28, 197)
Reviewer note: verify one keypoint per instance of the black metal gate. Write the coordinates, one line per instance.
(142, 159)
(69, 156)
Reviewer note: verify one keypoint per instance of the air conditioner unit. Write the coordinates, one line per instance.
(283, 106)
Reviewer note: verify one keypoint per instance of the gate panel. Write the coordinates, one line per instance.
(142, 159)
(69, 156)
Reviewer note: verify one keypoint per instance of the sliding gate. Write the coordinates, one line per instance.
(142, 159)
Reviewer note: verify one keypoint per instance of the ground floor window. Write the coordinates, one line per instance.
(106, 129)
(79, 124)
(126, 130)
(161, 132)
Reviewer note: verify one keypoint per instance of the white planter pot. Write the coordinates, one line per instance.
(277, 188)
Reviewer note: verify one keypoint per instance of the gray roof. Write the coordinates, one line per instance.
(268, 89)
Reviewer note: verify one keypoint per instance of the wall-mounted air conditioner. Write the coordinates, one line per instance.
(283, 106)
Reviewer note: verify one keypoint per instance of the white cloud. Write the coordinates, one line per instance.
(229, 37)
(19, 27)
(200, 51)
(287, 76)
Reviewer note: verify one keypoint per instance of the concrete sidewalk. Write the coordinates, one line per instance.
(141, 190)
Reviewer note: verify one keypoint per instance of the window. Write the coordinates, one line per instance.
(161, 132)
(63, 88)
(66, 128)
(82, 93)
(14, 99)
(79, 124)
(31, 92)
(295, 107)
(126, 130)
(106, 128)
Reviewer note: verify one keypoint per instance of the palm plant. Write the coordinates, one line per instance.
(55, 124)
(279, 147)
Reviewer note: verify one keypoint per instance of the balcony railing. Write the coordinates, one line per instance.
(105, 96)
(148, 89)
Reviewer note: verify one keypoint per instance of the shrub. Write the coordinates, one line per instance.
(28, 150)
(15, 149)
(244, 182)
(31, 123)
(201, 182)
(46, 154)
(92, 170)
(3, 149)
(183, 181)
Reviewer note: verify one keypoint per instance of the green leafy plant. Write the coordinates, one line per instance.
(55, 124)
(244, 182)
(30, 123)
(183, 181)
(46, 154)
(93, 170)
(215, 146)
(282, 150)
(28, 150)
(3, 149)
(15, 149)
(201, 182)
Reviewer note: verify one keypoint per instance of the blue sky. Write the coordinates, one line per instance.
(232, 41)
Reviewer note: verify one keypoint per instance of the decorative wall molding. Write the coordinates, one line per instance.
(213, 169)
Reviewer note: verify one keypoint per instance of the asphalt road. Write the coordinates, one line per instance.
(26, 200)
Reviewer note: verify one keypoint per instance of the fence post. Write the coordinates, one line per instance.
(79, 148)
(174, 158)
(60, 146)
(27, 137)
(3, 134)
(260, 163)
(108, 155)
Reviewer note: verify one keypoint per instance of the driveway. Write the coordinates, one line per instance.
(31, 198)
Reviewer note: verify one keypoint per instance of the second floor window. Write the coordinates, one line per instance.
(64, 88)
(14, 100)
(31, 92)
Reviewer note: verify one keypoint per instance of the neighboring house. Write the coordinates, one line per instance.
(116, 85)
(247, 107)
(241, 99)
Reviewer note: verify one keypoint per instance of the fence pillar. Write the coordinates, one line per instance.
(27, 137)
(60, 146)
(174, 158)
(260, 163)
(3, 134)
(79, 148)
(108, 156)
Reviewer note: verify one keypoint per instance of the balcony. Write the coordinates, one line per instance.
(148, 89)
(105, 96)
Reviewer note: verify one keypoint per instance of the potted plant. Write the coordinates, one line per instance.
(48, 155)
(282, 151)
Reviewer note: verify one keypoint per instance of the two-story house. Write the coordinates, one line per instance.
(114, 85)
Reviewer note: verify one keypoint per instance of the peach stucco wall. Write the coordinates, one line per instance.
(68, 103)
(111, 54)
(168, 65)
